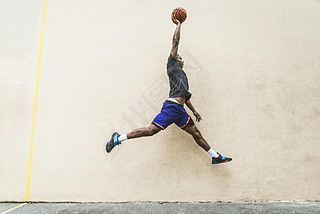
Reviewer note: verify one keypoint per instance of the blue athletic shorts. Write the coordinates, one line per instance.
(172, 112)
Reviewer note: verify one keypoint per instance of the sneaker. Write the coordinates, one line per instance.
(113, 142)
(221, 159)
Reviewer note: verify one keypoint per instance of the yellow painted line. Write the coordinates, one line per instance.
(16, 207)
(35, 103)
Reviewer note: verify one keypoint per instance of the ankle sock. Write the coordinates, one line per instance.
(213, 153)
(123, 137)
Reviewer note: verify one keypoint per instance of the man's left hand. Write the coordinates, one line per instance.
(197, 115)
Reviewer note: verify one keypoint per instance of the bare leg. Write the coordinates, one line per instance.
(194, 131)
(143, 132)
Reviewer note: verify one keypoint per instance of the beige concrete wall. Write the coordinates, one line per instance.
(253, 69)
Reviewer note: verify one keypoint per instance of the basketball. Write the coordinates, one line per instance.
(180, 13)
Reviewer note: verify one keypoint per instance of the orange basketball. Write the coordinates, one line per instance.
(180, 13)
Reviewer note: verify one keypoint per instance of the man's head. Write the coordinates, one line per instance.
(180, 61)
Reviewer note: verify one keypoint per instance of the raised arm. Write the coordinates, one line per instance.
(176, 37)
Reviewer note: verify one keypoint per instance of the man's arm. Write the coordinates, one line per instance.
(176, 37)
(195, 113)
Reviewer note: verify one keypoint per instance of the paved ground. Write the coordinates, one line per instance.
(247, 207)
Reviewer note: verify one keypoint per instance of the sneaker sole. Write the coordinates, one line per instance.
(223, 162)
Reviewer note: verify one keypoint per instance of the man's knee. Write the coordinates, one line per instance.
(197, 133)
(151, 131)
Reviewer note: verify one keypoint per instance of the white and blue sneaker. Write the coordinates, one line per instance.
(221, 159)
(113, 142)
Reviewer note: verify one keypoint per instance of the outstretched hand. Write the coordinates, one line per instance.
(174, 19)
(197, 115)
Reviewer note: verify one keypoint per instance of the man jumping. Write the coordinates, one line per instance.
(172, 110)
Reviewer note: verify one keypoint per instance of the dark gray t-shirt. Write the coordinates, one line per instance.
(179, 86)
